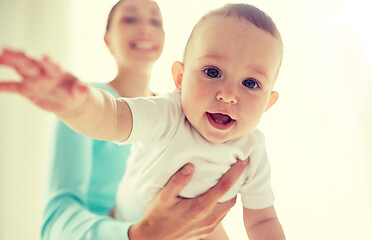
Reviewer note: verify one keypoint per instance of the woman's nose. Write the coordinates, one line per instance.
(145, 28)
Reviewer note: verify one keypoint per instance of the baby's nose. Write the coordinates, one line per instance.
(227, 97)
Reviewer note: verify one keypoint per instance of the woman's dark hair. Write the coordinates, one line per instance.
(111, 14)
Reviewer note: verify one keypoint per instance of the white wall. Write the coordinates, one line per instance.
(318, 134)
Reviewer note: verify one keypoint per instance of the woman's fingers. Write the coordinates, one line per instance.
(221, 209)
(225, 206)
(225, 183)
(172, 217)
(176, 183)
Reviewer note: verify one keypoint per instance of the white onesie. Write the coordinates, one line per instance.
(163, 141)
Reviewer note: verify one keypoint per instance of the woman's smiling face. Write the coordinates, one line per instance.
(135, 33)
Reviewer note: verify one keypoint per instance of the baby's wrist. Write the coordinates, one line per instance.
(79, 108)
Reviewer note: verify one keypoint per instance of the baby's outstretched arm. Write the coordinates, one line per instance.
(43, 83)
(87, 110)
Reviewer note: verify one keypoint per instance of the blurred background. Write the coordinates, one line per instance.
(318, 135)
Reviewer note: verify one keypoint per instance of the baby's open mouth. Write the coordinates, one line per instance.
(220, 121)
(220, 118)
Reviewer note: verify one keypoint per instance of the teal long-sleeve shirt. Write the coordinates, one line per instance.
(82, 179)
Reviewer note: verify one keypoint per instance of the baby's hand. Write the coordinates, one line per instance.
(43, 83)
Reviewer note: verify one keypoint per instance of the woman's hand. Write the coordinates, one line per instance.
(170, 217)
(43, 83)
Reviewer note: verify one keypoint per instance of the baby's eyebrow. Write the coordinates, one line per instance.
(258, 70)
(212, 56)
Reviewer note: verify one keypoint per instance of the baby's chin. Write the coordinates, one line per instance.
(218, 138)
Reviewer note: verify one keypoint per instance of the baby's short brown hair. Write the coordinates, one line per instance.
(241, 11)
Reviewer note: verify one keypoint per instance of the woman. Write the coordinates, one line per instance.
(84, 173)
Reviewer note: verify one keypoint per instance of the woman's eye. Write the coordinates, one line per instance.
(250, 83)
(212, 72)
(129, 20)
(156, 23)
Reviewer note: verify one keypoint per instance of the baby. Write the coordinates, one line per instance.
(224, 85)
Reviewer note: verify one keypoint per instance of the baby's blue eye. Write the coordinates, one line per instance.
(250, 83)
(212, 72)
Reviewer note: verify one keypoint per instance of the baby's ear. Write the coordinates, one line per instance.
(273, 98)
(177, 72)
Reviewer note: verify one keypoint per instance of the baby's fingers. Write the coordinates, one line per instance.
(72, 85)
(12, 87)
(24, 65)
(50, 69)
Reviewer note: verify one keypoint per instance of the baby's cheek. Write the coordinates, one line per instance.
(251, 117)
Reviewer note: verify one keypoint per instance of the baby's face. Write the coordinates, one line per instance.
(228, 77)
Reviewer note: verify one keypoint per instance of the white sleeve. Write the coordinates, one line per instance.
(152, 117)
(256, 192)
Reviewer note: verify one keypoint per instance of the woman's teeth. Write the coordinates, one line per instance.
(144, 45)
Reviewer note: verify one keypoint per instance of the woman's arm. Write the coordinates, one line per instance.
(69, 218)
(69, 173)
